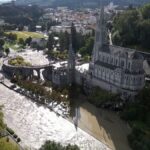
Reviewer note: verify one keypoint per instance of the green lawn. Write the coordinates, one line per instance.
(12, 46)
(25, 34)
(4, 145)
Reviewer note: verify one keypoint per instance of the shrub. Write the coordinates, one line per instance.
(18, 61)
(18, 140)
(15, 136)
(51, 145)
(10, 131)
(99, 96)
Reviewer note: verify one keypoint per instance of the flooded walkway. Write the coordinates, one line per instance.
(34, 124)
(104, 125)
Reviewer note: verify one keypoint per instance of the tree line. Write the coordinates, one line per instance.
(81, 43)
(138, 116)
(132, 28)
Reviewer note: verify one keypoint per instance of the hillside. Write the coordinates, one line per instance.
(132, 29)
(78, 3)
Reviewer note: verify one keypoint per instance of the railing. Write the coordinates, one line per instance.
(29, 67)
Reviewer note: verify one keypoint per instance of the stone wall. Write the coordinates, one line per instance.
(14, 70)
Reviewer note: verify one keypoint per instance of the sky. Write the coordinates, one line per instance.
(1, 1)
(4, 0)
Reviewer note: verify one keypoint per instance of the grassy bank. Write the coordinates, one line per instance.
(5, 143)
(24, 34)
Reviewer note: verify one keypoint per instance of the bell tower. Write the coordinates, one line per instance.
(100, 35)
(71, 63)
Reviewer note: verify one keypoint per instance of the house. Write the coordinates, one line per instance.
(38, 43)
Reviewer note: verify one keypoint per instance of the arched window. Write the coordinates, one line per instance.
(122, 63)
(112, 60)
(107, 59)
(103, 58)
(116, 62)
(129, 65)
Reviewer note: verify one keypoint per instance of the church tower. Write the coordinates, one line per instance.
(71, 63)
(100, 35)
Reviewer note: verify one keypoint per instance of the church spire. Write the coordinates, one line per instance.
(100, 34)
(71, 62)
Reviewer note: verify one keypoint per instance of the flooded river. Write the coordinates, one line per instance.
(34, 124)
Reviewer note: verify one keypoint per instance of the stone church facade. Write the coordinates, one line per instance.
(115, 69)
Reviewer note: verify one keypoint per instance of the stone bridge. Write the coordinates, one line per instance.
(28, 71)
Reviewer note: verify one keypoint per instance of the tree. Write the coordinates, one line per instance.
(12, 37)
(21, 41)
(144, 35)
(2, 42)
(126, 26)
(50, 42)
(7, 50)
(64, 41)
(2, 125)
(88, 47)
(51, 145)
(1, 32)
(28, 40)
(132, 28)
(145, 10)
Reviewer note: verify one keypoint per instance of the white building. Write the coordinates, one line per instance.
(113, 68)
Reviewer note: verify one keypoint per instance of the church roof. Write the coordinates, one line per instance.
(124, 52)
(106, 65)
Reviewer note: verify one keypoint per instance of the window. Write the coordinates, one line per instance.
(107, 59)
(111, 60)
(129, 65)
(116, 61)
(103, 58)
(122, 63)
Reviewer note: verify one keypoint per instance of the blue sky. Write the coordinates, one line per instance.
(4, 0)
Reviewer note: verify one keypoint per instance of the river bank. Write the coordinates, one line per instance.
(34, 124)
(103, 125)
(106, 126)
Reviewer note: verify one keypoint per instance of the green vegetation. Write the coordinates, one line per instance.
(10, 131)
(82, 44)
(51, 145)
(20, 16)
(99, 97)
(40, 90)
(5, 144)
(24, 34)
(2, 125)
(87, 48)
(13, 46)
(138, 116)
(62, 55)
(18, 61)
(132, 28)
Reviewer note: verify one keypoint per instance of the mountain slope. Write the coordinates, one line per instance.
(77, 3)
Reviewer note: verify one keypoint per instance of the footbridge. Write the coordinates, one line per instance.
(26, 71)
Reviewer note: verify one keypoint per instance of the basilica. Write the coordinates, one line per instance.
(113, 68)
